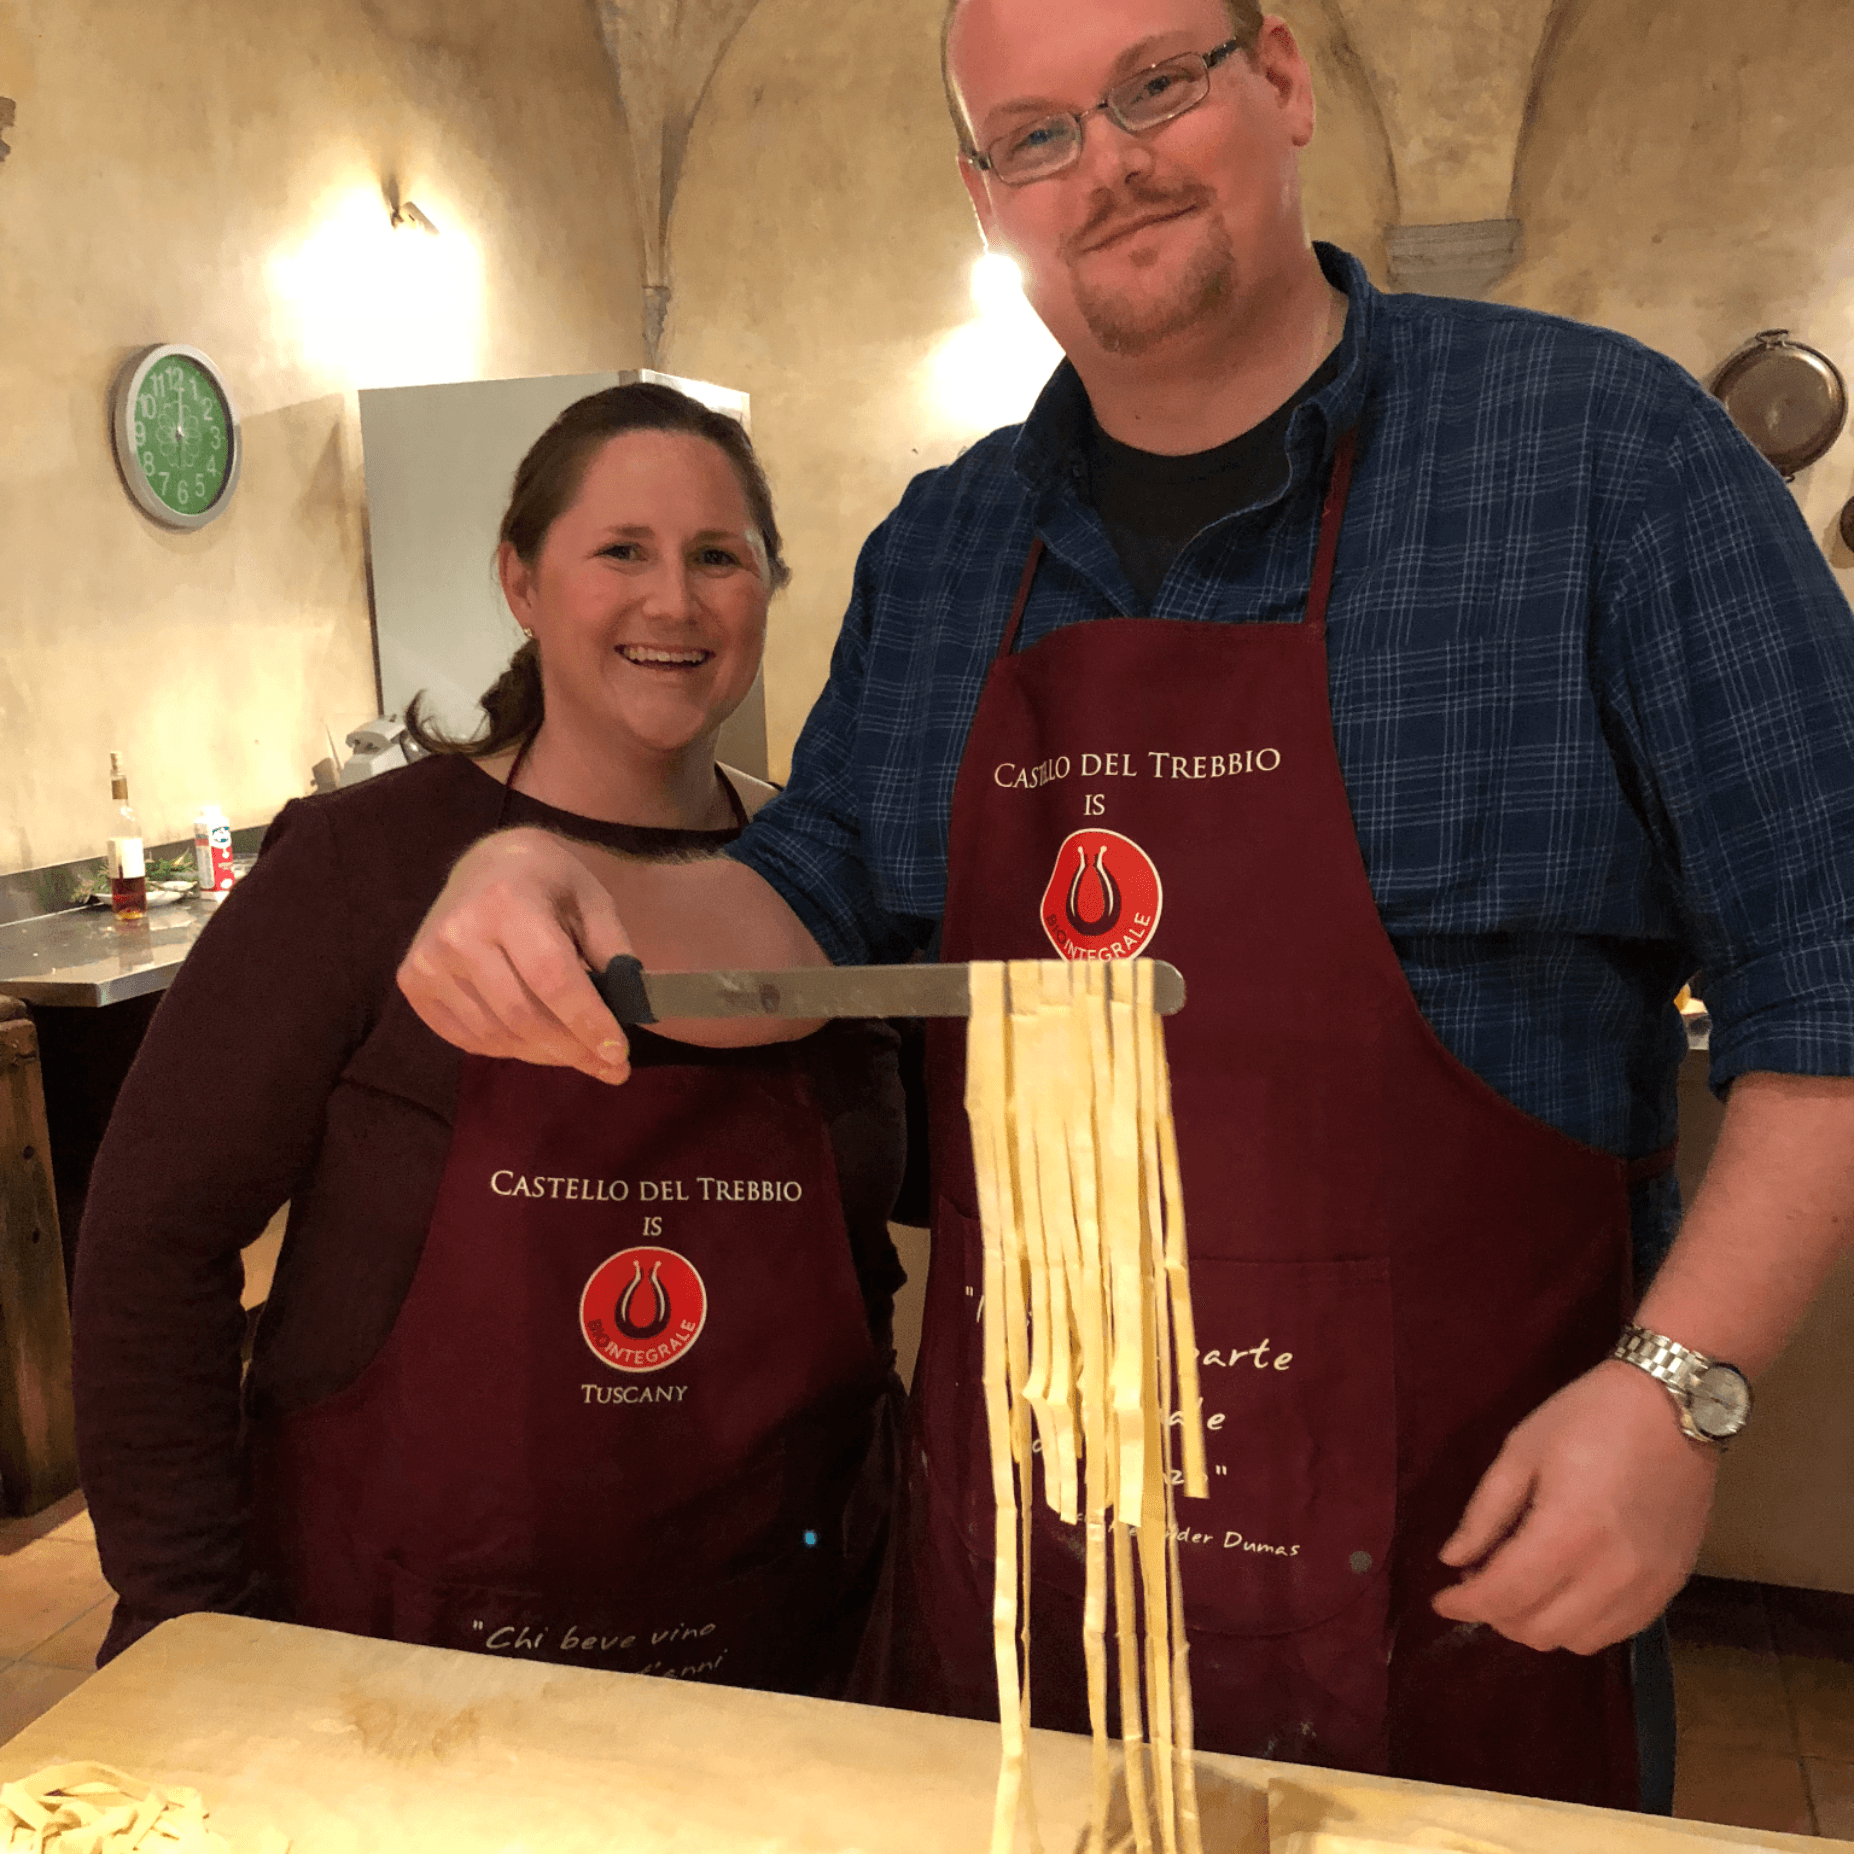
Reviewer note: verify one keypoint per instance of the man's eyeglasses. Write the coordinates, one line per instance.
(1153, 96)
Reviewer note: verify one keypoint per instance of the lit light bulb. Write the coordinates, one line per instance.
(989, 372)
(379, 306)
(997, 284)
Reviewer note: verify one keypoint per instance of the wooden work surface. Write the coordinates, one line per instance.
(348, 1744)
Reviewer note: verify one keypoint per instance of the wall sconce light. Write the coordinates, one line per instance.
(997, 284)
(989, 371)
(408, 215)
(381, 299)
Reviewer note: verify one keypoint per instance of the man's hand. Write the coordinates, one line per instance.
(1589, 1520)
(499, 965)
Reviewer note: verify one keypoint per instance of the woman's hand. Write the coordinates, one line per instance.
(499, 966)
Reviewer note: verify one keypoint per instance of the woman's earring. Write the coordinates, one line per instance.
(529, 635)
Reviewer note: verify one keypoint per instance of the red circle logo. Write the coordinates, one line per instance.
(1104, 897)
(643, 1309)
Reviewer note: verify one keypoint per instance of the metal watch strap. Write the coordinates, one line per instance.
(1675, 1365)
(1683, 1373)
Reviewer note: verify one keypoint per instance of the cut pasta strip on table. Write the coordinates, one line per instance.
(1090, 1362)
(93, 1809)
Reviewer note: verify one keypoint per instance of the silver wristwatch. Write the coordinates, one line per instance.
(1713, 1400)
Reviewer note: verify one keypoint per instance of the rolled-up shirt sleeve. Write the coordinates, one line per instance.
(1724, 652)
(809, 842)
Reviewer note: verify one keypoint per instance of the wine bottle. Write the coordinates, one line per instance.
(128, 876)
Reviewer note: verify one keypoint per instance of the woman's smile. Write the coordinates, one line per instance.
(657, 656)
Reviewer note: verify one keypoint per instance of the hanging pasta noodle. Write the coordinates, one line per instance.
(1089, 1354)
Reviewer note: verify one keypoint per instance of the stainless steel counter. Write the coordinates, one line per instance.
(84, 957)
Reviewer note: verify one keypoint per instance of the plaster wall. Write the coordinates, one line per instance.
(212, 172)
(1451, 78)
(822, 249)
(1681, 179)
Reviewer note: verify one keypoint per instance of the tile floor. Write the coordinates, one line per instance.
(54, 1607)
(1765, 1676)
(1765, 1684)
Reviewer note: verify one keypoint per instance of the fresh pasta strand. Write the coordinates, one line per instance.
(1026, 1109)
(1156, 1370)
(1190, 1821)
(1087, 1019)
(1018, 1310)
(1118, 1145)
(1129, 1301)
(986, 1089)
(95, 1809)
(1132, 1728)
(1178, 1379)
(1188, 1396)
(1062, 1237)
(1090, 1362)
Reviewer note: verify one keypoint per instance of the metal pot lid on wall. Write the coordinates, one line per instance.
(1788, 399)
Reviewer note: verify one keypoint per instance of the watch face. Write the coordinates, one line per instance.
(182, 434)
(1721, 1401)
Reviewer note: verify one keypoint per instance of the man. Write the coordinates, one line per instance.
(1437, 685)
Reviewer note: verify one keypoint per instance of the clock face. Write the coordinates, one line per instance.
(177, 437)
(182, 434)
(1721, 1402)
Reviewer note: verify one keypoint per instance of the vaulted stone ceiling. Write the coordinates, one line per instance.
(1452, 81)
(664, 52)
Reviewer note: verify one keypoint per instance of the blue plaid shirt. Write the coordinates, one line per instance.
(1592, 684)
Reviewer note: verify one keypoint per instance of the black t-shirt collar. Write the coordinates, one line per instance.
(1052, 447)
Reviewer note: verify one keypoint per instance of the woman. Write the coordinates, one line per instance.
(548, 1368)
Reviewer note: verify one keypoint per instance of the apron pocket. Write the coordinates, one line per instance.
(480, 1618)
(1296, 1368)
(1295, 1365)
(776, 1626)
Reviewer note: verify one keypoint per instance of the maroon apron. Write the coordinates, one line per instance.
(623, 1415)
(1391, 1265)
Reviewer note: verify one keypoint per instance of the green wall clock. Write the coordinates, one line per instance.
(177, 436)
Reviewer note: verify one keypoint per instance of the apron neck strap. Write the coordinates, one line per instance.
(1332, 519)
(1016, 621)
(508, 784)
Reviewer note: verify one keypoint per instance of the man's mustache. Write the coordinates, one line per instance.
(1128, 206)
